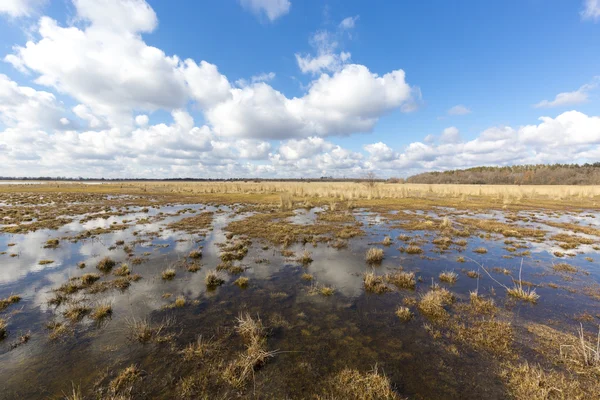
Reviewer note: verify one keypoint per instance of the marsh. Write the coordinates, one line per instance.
(161, 295)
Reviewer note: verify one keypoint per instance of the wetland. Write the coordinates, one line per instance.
(139, 291)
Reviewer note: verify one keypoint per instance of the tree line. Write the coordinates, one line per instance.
(538, 174)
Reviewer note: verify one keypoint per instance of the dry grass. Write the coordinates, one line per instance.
(387, 241)
(460, 259)
(351, 384)
(123, 382)
(140, 330)
(105, 264)
(242, 282)
(481, 305)
(213, 279)
(195, 254)
(51, 244)
(179, 302)
(532, 382)
(194, 267)
(528, 295)
(323, 290)
(4, 303)
(374, 255)
(404, 313)
(486, 334)
(448, 276)
(123, 270)
(2, 329)
(374, 283)
(305, 258)
(413, 249)
(307, 277)
(473, 274)
(45, 262)
(254, 334)
(76, 312)
(432, 303)
(402, 280)
(564, 267)
(480, 250)
(101, 312)
(168, 274)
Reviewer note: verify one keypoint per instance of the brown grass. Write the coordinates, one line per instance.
(101, 312)
(374, 255)
(351, 384)
(242, 282)
(125, 380)
(4, 303)
(168, 274)
(213, 279)
(448, 276)
(105, 264)
(375, 283)
(432, 303)
(402, 280)
(404, 313)
(532, 382)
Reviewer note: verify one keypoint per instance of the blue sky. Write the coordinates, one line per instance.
(327, 96)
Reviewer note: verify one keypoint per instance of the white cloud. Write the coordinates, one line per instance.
(327, 59)
(380, 152)
(570, 137)
(264, 77)
(272, 9)
(459, 110)
(578, 96)
(591, 10)
(304, 148)
(106, 65)
(349, 101)
(27, 108)
(208, 87)
(20, 8)
(142, 120)
(450, 135)
(348, 23)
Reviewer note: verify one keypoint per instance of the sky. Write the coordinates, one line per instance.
(295, 88)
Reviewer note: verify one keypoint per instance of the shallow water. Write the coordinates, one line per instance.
(316, 335)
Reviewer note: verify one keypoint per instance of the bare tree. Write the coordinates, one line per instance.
(370, 179)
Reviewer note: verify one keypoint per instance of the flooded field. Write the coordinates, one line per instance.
(164, 296)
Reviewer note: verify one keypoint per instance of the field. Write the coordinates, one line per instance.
(322, 290)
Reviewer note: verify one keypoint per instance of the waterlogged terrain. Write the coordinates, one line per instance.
(156, 296)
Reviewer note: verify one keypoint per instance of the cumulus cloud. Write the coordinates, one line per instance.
(20, 8)
(571, 136)
(591, 10)
(27, 108)
(380, 151)
(458, 110)
(349, 101)
(450, 135)
(565, 99)
(272, 9)
(106, 65)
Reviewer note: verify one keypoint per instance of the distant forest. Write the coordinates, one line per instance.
(541, 174)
